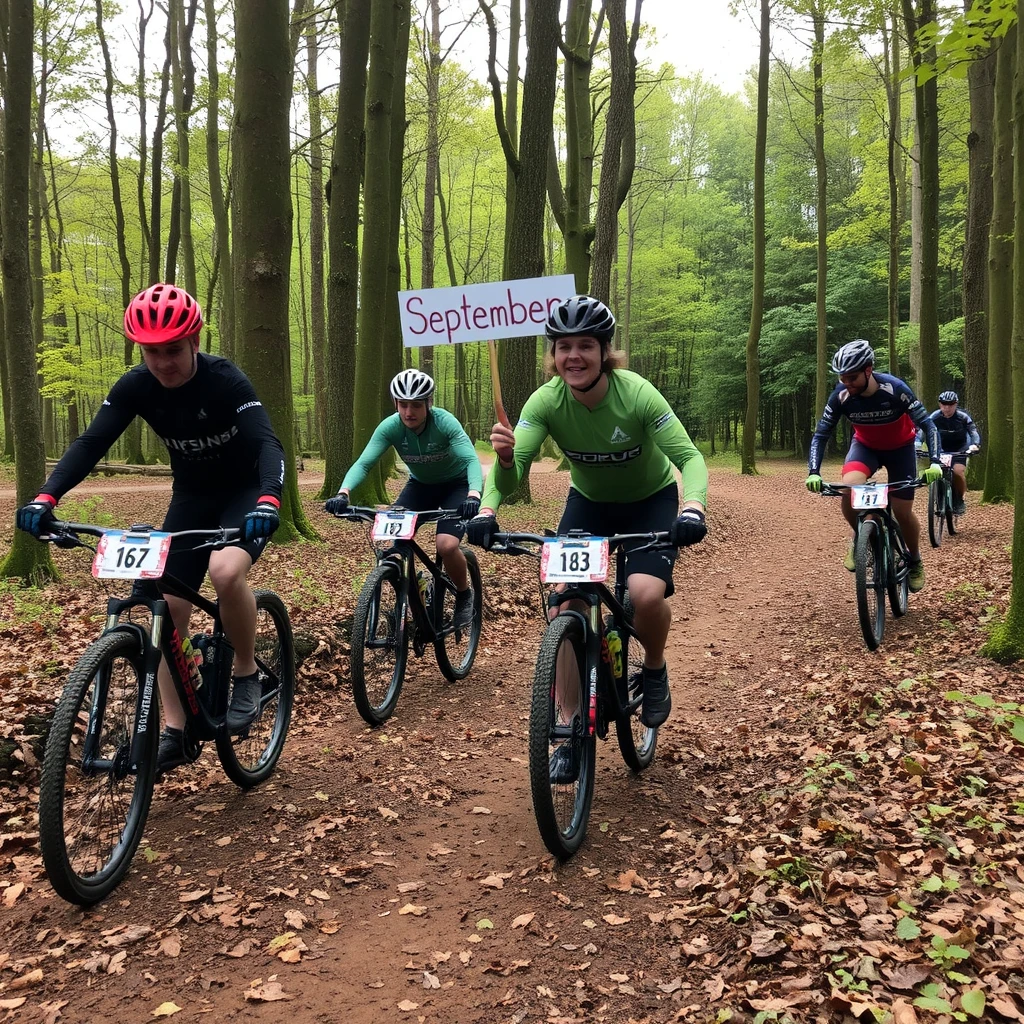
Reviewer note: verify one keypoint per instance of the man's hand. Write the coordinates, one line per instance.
(469, 508)
(503, 441)
(689, 528)
(932, 473)
(338, 504)
(481, 530)
(36, 517)
(813, 483)
(261, 522)
(973, 449)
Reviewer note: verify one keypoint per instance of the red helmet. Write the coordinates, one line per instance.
(161, 314)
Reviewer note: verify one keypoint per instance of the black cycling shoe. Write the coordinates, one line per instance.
(657, 698)
(564, 767)
(959, 506)
(171, 752)
(245, 702)
(464, 609)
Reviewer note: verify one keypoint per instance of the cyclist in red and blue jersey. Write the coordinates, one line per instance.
(883, 411)
(227, 467)
(957, 434)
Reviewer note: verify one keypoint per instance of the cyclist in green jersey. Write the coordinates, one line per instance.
(622, 439)
(444, 472)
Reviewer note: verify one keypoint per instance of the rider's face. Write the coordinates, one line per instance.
(172, 364)
(578, 360)
(948, 409)
(413, 414)
(856, 382)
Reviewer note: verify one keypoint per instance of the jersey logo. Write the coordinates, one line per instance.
(663, 419)
(887, 387)
(201, 414)
(525, 424)
(603, 458)
(619, 436)
(247, 405)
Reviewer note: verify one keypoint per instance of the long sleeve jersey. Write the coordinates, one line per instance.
(956, 432)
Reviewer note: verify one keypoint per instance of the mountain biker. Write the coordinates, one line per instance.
(883, 411)
(957, 433)
(622, 439)
(227, 468)
(444, 472)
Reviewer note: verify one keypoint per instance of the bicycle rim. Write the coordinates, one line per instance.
(870, 578)
(936, 512)
(92, 814)
(561, 810)
(380, 644)
(249, 757)
(456, 649)
(897, 577)
(637, 742)
(952, 519)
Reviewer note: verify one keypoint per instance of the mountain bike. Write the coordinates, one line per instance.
(406, 599)
(596, 654)
(99, 766)
(880, 553)
(940, 499)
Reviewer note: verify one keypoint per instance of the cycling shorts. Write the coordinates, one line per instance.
(421, 497)
(900, 464)
(189, 511)
(603, 518)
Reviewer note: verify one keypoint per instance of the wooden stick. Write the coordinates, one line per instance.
(499, 408)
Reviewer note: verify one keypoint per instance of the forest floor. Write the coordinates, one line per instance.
(826, 834)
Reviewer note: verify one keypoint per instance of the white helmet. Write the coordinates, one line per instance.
(853, 356)
(411, 386)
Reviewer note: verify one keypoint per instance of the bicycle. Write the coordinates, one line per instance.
(881, 556)
(940, 499)
(100, 761)
(400, 604)
(604, 663)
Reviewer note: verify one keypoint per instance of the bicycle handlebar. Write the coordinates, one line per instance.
(65, 534)
(925, 455)
(367, 514)
(834, 490)
(508, 543)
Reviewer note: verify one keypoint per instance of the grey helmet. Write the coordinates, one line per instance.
(949, 397)
(412, 386)
(582, 314)
(853, 356)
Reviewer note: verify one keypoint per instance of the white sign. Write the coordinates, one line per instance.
(574, 561)
(870, 495)
(394, 525)
(131, 556)
(481, 312)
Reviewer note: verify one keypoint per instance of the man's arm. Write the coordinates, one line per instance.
(822, 432)
(919, 414)
(671, 437)
(255, 428)
(463, 450)
(973, 437)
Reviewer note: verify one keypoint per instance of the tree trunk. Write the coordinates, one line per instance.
(184, 76)
(999, 438)
(821, 382)
(317, 318)
(28, 559)
(262, 226)
(156, 191)
(431, 159)
(141, 97)
(748, 459)
(896, 176)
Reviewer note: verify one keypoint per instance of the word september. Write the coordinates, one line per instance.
(467, 316)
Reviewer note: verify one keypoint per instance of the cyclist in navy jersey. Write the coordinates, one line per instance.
(227, 467)
(957, 433)
(884, 412)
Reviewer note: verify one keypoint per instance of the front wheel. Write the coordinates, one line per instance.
(936, 511)
(456, 648)
(952, 519)
(870, 576)
(558, 719)
(249, 757)
(637, 742)
(380, 643)
(93, 801)
(897, 576)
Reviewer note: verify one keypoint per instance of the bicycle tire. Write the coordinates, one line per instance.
(379, 627)
(897, 574)
(455, 650)
(637, 742)
(936, 512)
(554, 802)
(952, 519)
(250, 757)
(86, 866)
(870, 581)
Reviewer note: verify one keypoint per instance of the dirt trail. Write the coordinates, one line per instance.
(411, 852)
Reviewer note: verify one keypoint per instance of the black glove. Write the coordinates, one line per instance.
(469, 508)
(336, 505)
(481, 530)
(261, 522)
(689, 528)
(36, 517)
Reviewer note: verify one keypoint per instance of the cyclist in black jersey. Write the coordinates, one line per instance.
(227, 467)
(957, 433)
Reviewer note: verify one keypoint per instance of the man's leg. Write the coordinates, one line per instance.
(652, 618)
(174, 715)
(454, 560)
(903, 511)
(228, 570)
(959, 486)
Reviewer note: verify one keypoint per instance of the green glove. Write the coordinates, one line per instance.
(813, 483)
(932, 473)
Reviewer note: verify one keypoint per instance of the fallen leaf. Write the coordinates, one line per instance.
(210, 808)
(295, 919)
(407, 1005)
(523, 920)
(484, 922)
(409, 886)
(431, 980)
(116, 964)
(268, 993)
(291, 955)
(480, 810)
(167, 1009)
(193, 896)
(386, 812)
(170, 945)
(493, 882)
(27, 980)
(12, 892)
(320, 894)
(239, 950)
(12, 1004)
(223, 841)
(614, 919)
(330, 927)
(412, 908)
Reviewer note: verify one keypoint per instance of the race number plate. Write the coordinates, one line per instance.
(870, 495)
(946, 459)
(131, 556)
(574, 561)
(394, 525)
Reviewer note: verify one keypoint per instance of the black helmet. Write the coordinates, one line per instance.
(853, 356)
(949, 398)
(582, 314)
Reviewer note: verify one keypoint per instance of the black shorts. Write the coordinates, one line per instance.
(206, 512)
(420, 497)
(900, 464)
(603, 518)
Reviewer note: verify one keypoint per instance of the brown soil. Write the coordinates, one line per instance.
(406, 862)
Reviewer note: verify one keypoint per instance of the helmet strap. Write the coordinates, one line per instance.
(593, 384)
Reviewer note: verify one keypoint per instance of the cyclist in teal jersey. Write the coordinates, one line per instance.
(622, 439)
(444, 472)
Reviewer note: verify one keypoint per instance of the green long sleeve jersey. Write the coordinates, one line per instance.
(621, 450)
(442, 451)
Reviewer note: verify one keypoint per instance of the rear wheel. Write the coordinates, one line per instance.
(456, 648)
(952, 519)
(92, 802)
(380, 643)
(637, 741)
(870, 576)
(936, 511)
(250, 756)
(558, 717)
